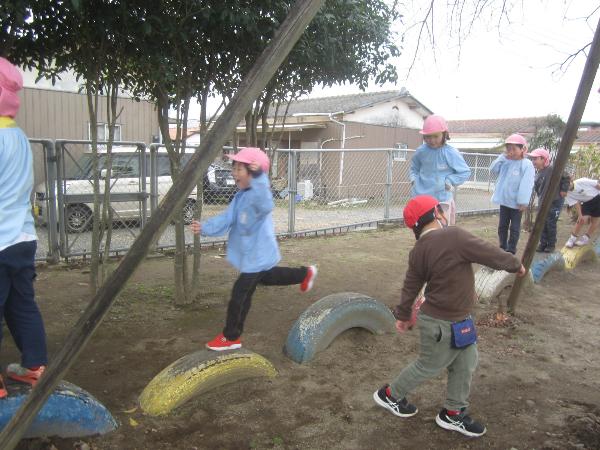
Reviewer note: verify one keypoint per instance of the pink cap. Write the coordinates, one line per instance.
(11, 82)
(516, 139)
(541, 153)
(249, 155)
(434, 124)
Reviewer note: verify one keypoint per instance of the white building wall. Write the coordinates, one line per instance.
(393, 113)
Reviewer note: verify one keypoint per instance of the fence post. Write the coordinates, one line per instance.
(60, 202)
(51, 183)
(143, 169)
(388, 185)
(153, 178)
(292, 191)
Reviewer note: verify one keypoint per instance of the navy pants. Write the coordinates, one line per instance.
(17, 303)
(244, 287)
(509, 228)
(548, 238)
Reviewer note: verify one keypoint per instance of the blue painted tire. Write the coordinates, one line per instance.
(69, 412)
(327, 318)
(540, 267)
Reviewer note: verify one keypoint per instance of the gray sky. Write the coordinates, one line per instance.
(506, 71)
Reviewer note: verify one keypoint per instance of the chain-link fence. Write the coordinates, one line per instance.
(315, 191)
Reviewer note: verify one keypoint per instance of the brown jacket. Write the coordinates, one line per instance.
(442, 258)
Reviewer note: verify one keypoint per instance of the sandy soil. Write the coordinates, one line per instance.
(537, 386)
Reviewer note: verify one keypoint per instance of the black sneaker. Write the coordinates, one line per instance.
(549, 249)
(461, 423)
(400, 408)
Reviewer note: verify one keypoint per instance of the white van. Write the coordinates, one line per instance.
(219, 186)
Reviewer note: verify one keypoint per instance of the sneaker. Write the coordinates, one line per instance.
(549, 249)
(571, 242)
(461, 423)
(400, 408)
(24, 375)
(583, 240)
(221, 343)
(309, 279)
(3, 391)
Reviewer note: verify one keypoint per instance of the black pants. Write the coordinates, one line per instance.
(548, 238)
(244, 287)
(510, 219)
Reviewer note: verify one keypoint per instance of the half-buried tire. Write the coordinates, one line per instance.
(197, 373)
(69, 412)
(327, 318)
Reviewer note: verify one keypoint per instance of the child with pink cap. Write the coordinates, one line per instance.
(541, 161)
(251, 247)
(18, 239)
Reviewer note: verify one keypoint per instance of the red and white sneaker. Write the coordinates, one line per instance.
(309, 279)
(23, 374)
(3, 391)
(221, 343)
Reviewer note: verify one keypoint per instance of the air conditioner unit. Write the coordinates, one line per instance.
(305, 189)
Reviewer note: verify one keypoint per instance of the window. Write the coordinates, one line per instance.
(103, 132)
(399, 152)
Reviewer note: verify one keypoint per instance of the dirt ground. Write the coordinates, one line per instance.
(537, 385)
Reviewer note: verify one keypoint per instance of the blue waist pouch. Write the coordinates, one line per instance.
(464, 333)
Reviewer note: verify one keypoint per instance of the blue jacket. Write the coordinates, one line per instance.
(16, 184)
(251, 246)
(431, 169)
(515, 181)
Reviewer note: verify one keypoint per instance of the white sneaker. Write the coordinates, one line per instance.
(583, 240)
(571, 242)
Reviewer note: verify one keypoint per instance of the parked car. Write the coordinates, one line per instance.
(218, 186)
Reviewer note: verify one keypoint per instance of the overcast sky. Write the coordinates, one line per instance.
(510, 71)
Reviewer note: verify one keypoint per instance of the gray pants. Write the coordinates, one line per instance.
(436, 354)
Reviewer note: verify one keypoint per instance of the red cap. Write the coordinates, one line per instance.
(416, 207)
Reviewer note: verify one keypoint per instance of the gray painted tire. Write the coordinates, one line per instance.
(326, 319)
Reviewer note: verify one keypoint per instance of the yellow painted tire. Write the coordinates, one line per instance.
(577, 255)
(197, 373)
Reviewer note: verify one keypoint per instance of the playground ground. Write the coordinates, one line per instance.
(537, 385)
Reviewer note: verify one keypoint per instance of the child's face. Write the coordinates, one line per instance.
(538, 162)
(513, 151)
(241, 175)
(435, 140)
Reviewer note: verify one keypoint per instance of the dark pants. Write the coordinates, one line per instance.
(510, 219)
(17, 303)
(548, 238)
(244, 287)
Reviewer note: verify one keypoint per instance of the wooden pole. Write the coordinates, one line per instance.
(564, 151)
(299, 17)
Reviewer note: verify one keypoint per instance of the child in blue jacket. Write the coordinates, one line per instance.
(18, 240)
(513, 189)
(436, 167)
(252, 248)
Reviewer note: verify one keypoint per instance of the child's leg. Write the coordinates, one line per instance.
(460, 374)
(21, 313)
(550, 227)
(503, 226)
(594, 223)
(239, 305)
(515, 230)
(283, 276)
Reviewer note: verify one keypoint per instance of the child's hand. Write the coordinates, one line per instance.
(582, 220)
(522, 208)
(403, 325)
(254, 166)
(196, 227)
(522, 271)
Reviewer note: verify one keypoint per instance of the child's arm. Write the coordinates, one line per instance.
(215, 226)
(413, 282)
(479, 251)
(457, 163)
(260, 195)
(497, 164)
(526, 185)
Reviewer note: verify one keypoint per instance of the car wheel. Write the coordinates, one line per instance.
(78, 218)
(188, 211)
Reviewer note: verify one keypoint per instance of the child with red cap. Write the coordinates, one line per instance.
(251, 248)
(442, 259)
(541, 161)
(18, 239)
